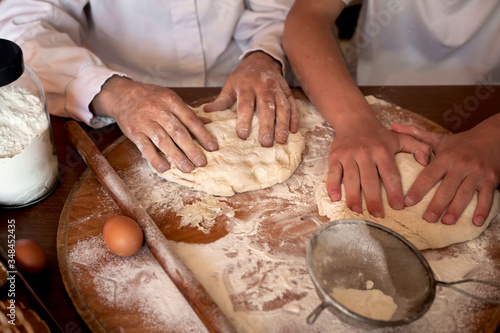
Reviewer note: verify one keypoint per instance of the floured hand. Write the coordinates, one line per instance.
(155, 118)
(258, 84)
(465, 162)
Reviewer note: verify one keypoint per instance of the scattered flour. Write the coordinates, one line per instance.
(202, 214)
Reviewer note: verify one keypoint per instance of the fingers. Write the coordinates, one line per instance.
(352, 185)
(224, 100)
(442, 198)
(484, 202)
(246, 107)
(429, 138)
(271, 108)
(370, 183)
(333, 181)
(283, 114)
(266, 108)
(257, 84)
(179, 134)
(157, 120)
(421, 151)
(155, 134)
(391, 179)
(179, 120)
(426, 180)
(150, 152)
(463, 195)
(454, 195)
(294, 114)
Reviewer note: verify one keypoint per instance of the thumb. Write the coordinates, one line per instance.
(422, 135)
(419, 149)
(223, 101)
(205, 120)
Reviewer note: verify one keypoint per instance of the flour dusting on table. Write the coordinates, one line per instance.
(261, 284)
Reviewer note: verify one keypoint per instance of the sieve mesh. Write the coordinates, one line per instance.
(350, 254)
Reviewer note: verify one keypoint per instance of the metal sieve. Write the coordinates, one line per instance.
(351, 254)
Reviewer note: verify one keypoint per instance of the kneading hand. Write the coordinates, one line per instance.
(257, 83)
(364, 154)
(465, 162)
(155, 118)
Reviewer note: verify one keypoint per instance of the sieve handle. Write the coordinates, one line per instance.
(315, 314)
(451, 285)
(312, 218)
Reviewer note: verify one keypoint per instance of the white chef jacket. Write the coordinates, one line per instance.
(75, 46)
(427, 42)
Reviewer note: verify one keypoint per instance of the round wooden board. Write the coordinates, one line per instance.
(272, 214)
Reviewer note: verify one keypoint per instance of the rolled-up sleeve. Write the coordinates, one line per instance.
(52, 37)
(260, 28)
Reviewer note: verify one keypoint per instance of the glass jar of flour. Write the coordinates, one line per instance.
(28, 160)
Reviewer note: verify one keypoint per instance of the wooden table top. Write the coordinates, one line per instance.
(456, 108)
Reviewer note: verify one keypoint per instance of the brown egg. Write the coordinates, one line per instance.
(122, 235)
(30, 256)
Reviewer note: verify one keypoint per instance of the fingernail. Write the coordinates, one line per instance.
(267, 140)
(334, 196)
(356, 208)
(186, 166)
(398, 206)
(409, 201)
(163, 167)
(199, 161)
(243, 133)
(283, 136)
(212, 145)
(478, 221)
(378, 214)
(448, 219)
(430, 217)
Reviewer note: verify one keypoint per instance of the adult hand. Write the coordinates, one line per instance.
(257, 83)
(361, 153)
(155, 118)
(465, 162)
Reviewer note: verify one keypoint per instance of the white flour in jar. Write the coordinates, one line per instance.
(28, 164)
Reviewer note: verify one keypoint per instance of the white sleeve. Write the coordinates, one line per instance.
(260, 28)
(352, 2)
(51, 35)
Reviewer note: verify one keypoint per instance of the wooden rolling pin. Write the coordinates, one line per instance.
(201, 302)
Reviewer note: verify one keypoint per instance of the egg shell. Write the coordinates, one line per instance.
(30, 256)
(122, 235)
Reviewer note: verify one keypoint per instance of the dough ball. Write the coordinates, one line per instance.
(239, 165)
(409, 222)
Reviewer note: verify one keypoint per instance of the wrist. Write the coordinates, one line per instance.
(348, 111)
(265, 59)
(103, 102)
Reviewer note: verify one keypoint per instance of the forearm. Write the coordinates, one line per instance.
(491, 123)
(319, 66)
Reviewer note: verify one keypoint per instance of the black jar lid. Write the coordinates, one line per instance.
(11, 62)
